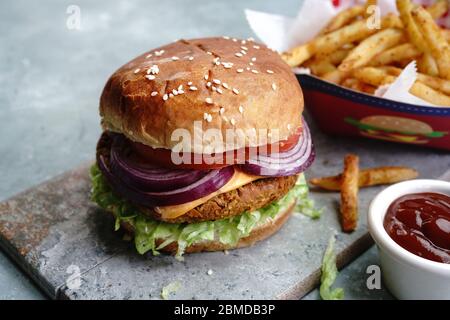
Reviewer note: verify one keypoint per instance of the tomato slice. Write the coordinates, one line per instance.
(163, 157)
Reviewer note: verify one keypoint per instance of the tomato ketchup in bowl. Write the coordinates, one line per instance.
(410, 224)
(420, 223)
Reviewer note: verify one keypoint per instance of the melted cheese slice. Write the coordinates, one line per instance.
(238, 180)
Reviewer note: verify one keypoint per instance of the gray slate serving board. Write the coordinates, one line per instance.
(54, 226)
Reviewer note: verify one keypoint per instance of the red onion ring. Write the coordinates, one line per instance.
(211, 182)
(145, 177)
(289, 163)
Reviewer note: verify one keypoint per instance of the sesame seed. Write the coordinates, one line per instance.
(165, 97)
(248, 68)
(150, 77)
(244, 48)
(216, 81)
(270, 71)
(250, 39)
(148, 56)
(225, 85)
(219, 90)
(171, 95)
(137, 70)
(243, 52)
(190, 83)
(250, 63)
(209, 101)
(238, 54)
(191, 58)
(233, 122)
(209, 118)
(227, 65)
(180, 91)
(154, 93)
(205, 116)
(159, 53)
(240, 70)
(154, 69)
(214, 88)
(235, 91)
(208, 52)
(241, 109)
(274, 86)
(226, 38)
(225, 118)
(253, 59)
(255, 71)
(175, 58)
(243, 42)
(175, 92)
(206, 77)
(208, 84)
(180, 87)
(234, 40)
(222, 110)
(193, 88)
(256, 47)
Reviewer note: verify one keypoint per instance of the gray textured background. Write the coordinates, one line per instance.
(51, 79)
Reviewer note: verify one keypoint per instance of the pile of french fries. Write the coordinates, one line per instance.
(352, 179)
(355, 52)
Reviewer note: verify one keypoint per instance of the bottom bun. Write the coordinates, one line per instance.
(260, 233)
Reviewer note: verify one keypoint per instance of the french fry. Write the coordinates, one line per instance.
(426, 63)
(335, 76)
(343, 18)
(357, 85)
(438, 9)
(433, 82)
(377, 77)
(446, 33)
(373, 76)
(349, 193)
(335, 40)
(369, 177)
(434, 38)
(405, 51)
(370, 47)
(338, 56)
(427, 93)
(320, 67)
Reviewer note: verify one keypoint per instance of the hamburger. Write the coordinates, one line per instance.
(203, 146)
(398, 129)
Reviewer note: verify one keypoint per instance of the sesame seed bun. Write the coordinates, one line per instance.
(222, 83)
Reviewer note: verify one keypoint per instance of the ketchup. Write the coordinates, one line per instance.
(420, 223)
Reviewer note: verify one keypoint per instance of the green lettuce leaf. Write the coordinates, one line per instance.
(228, 231)
(329, 274)
(170, 288)
(306, 206)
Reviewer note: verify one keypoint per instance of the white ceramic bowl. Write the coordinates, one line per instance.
(407, 275)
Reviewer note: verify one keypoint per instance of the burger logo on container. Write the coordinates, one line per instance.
(396, 129)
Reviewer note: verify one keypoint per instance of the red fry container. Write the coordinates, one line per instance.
(341, 111)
